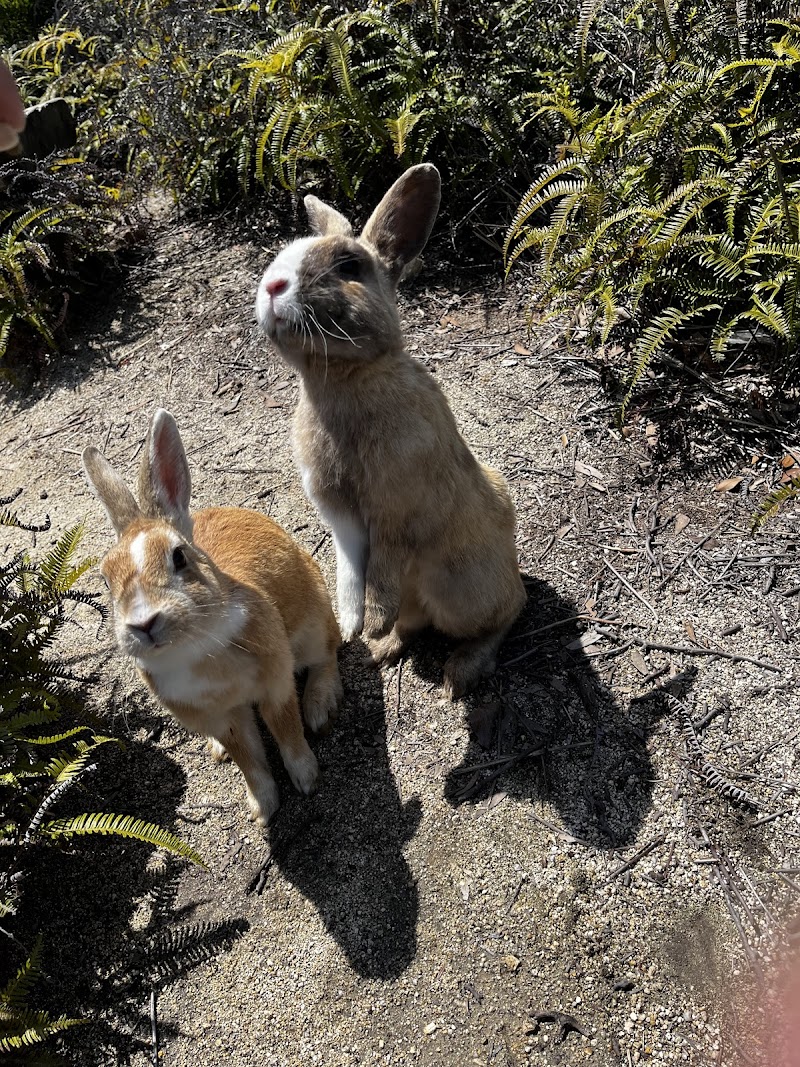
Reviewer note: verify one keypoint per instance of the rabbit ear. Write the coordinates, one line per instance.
(111, 490)
(165, 485)
(400, 225)
(326, 220)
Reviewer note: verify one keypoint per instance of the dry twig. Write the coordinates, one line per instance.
(642, 852)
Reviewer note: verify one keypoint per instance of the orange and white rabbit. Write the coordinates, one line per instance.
(218, 609)
(423, 532)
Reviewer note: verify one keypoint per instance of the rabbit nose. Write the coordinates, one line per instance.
(276, 286)
(145, 627)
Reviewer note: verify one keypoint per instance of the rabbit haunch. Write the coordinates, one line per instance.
(424, 533)
(218, 610)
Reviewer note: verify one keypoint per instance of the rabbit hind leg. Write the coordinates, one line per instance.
(387, 650)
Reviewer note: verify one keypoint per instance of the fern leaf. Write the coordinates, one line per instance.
(120, 826)
(723, 331)
(17, 991)
(662, 329)
(588, 14)
(610, 311)
(556, 170)
(770, 506)
(56, 573)
(38, 1032)
(568, 189)
(766, 312)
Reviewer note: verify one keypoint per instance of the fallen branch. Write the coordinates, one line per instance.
(631, 589)
(154, 1029)
(697, 650)
(688, 555)
(584, 617)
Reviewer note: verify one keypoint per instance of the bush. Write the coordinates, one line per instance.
(42, 757)
(676, 202)
(53, 230)
(60, 216)
(20, 19)
(217, 102)
(358, 94)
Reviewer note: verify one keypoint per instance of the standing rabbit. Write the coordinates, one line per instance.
(423, 532)
(218, 610)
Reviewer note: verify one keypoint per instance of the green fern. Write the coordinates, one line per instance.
(683, 199)
(119, 826)
(36, 242)
(21, 1028)
(771, 505)
(656, 335)
(40, 761)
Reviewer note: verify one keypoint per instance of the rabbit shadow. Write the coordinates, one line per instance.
(343, 846)
(113, 930)
(546, 728)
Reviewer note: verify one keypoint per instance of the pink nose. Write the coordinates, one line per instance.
(276, 286)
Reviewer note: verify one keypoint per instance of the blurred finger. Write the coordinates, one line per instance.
(12, 111)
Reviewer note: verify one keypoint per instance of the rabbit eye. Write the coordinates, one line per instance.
(349, 268)
(178, 559)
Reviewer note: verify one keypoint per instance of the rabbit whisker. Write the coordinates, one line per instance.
(322, 273)
(316, 322)
(342, 334)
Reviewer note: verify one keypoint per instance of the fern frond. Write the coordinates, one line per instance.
(566, 189)
(662, 329)
(120, 826)
(768, 314)
(57, 573)
(37, 1031)
(588, 14)
(610, 311)
(17, 991)
(770, 506)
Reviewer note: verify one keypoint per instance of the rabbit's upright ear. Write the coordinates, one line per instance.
(165, 485)
(325, 220)
(399, 227)
(111, 490)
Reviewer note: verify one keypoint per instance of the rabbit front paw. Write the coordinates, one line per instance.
(217, 750)
(351, 620)
(303, 770)
(386, 651)
(262, 805)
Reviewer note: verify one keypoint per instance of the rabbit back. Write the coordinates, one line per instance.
(258, 554)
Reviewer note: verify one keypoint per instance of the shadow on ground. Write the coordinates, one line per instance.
(32, 373)
(543, 728)
(343, 847)
(112, 930)
(546, 728)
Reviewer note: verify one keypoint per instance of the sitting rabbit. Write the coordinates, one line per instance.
(423, 532)
(218, 609)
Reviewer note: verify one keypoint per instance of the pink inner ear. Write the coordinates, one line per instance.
(168, 473)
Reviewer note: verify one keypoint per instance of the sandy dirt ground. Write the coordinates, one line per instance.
(553, 871)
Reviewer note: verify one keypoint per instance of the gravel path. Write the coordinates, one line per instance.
(539, 874)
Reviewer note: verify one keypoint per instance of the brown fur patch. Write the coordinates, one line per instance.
(350, 317)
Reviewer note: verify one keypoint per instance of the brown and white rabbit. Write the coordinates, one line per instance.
(218, 609)
(423, 532)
